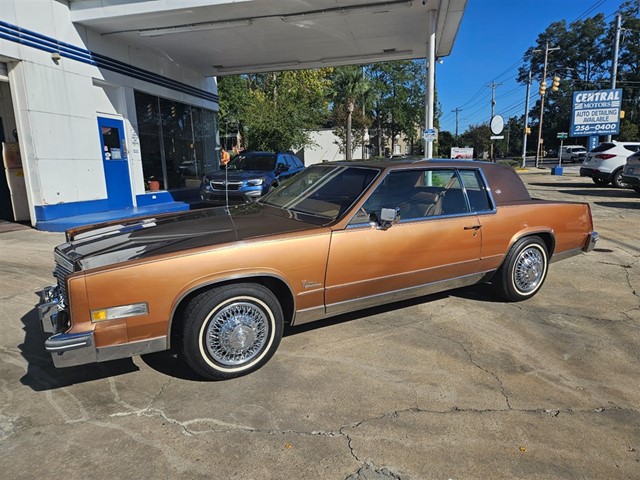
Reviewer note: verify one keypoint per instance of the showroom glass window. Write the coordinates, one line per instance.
(177, 141)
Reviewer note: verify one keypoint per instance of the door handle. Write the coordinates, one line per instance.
(473, 227)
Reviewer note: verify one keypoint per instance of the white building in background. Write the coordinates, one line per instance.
(96, 119)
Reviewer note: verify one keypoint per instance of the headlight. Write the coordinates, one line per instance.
(205, 180)
(255, 182)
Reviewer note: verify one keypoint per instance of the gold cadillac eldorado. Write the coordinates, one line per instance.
(221, 283)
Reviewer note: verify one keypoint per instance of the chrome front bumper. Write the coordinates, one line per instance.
(66, 349)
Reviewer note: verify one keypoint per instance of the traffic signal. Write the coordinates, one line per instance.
(527, 130)
(621, 113)
(543, 88)
(555, 84)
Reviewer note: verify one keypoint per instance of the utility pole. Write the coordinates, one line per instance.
(493, 104)
(456, 110)
(526, 123)
(614, 63)
(543, 88)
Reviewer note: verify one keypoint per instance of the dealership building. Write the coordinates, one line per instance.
(109, 108)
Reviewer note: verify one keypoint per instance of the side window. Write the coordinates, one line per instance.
(297, 162)
(280, 163)
(476, 191)
(416, 194)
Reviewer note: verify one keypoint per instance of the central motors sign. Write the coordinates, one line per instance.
(596, 112)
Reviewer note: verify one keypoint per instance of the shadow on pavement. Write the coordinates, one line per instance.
(42, 375)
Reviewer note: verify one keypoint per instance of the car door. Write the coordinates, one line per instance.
(436, 241)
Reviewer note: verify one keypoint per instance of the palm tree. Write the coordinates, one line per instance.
(349, 85)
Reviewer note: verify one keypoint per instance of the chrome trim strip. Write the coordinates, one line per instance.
(411, 292)
(308, 315)
(130, 349)
(566, 254)
(404, 274)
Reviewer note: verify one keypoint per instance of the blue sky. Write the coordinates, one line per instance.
(491, 42)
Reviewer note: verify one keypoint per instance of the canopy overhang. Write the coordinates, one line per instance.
(224, 37)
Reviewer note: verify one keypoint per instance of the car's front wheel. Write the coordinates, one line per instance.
(523, 271)
(232, 330)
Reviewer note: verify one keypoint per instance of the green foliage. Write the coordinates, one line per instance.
(584, 63)
(350, 87)
(478, 137)
(275, 110)
(398, 99)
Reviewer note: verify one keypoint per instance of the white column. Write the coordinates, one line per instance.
(431, 79)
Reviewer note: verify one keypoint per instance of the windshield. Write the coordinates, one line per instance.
(263, 163)
(322, 190)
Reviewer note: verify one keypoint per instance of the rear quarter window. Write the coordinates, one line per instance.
(476, 191)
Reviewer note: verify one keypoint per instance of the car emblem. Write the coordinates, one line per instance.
(310, 284)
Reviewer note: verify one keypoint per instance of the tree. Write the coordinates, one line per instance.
(276, 109)
(446, 140)
(398, 99)
(629, 67)
(349, 86)
(584, 63)
(478, 137)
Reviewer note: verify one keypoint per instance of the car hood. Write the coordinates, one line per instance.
(152, 236)
(239, 175)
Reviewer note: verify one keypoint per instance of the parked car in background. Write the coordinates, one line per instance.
(573, 153)
(631, 171)
(604, 163)
(221, 283)
(248, 176)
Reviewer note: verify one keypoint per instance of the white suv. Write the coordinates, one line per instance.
(631, 172)
(605, 162)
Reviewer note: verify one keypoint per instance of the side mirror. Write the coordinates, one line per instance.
(388, 217)
(281, 168)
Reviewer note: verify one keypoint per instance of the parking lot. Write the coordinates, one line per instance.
(451, 386)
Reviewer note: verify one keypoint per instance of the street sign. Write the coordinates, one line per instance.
(430, 134)
(562, 135)
(596, 112)
(497, 125)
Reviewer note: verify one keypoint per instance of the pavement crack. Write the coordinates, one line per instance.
(477, 365)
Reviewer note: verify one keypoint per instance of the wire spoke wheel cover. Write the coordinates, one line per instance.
(232, 330)
(237, 332)
(529, 269)
(523, 270)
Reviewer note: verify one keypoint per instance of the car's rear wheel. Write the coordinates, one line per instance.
(232, 330)
(600, 182)
(616, 179)
(523, 271)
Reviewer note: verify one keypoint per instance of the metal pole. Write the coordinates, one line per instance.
(431, 79)
(456, 110)
(526, 123)
(493, 104)
(542, 97)
(614, 64)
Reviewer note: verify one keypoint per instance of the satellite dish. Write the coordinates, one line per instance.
(497, 125)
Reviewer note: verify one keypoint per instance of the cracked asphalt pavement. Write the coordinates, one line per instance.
(451, 386)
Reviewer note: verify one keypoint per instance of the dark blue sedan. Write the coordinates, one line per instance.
(248, 176)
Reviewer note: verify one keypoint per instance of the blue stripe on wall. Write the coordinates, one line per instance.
(36, 40)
